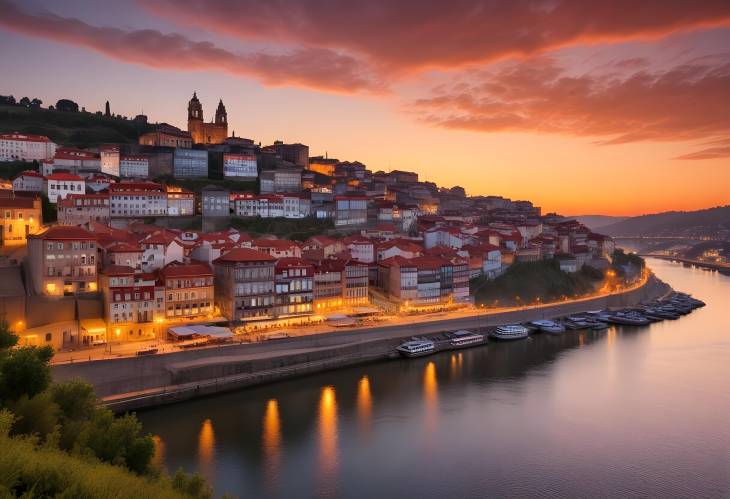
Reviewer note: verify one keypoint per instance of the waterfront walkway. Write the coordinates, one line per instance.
(135, 382)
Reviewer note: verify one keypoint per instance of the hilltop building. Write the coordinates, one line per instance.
(214, 132)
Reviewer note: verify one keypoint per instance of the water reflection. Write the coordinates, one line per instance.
(271, 445)
(430, 396)
(158, 459)
(364, 406)
(328, 457)
(206, 450)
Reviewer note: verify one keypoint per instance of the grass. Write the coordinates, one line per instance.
(526, 282)
(71, 129)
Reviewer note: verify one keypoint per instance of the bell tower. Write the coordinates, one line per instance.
(221, 116)
(195, 109)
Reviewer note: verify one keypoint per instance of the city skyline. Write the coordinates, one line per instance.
(628, 116)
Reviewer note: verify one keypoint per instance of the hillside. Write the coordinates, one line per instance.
(78, 129)
(595, 222)
(708, 222)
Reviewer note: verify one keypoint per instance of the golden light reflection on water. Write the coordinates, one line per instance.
(430, 395)
(271, 445)
(328, 453)
(456, 365)
(206, 449)
(158, 459)
(364, 406)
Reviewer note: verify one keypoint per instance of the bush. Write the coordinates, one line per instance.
(24, 371)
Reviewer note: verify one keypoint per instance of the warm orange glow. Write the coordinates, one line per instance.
(158, 460)
(271, 444)
(364, 405)
(328, 454)
(430, 395)
(206, 449)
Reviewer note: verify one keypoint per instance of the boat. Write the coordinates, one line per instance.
(574, 322)
(598, 325)
(510, 332)
(628, 319)
(416, 348)
(464, 339)
(548, 326)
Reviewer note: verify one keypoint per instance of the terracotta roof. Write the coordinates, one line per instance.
(124, 247)
(428, 262)
(244, 255)
(66, 232)
(16, 202)
(285, 263)
(194, 269)
(280, 244)
(24, 137)
(64, 176)
(117, 270)
(397, 260)
(28, 173)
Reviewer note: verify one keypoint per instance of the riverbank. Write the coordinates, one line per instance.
(139, 382)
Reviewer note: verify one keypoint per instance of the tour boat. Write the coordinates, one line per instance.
(510, 332)
(416, 348)
(464, 339)
(547, 326)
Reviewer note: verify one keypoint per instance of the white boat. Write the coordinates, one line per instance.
(547, 326)
(463, 339)
(416, 348)
(510, 332)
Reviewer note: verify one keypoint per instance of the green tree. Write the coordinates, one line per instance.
(191, 485)
(8, 339)
(34, 415)
(49, 210)
(25, 371)
(117, 441)
(76, 403)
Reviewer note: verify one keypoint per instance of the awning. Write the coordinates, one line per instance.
(93, 326)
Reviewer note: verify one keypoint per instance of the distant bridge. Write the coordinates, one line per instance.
(721, 267)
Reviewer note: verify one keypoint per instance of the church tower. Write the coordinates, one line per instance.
(195, 109)
(221, 117)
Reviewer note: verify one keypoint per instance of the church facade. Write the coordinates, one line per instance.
(214, 132)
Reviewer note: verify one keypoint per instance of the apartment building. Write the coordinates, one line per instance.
(79, 209)
(21, 216)
(60, 185)
(133, 304)
(134, 166)
(189, 292)
(137, 199)
(190, 163)
(293, 287)
(62, 261)
(28, 181)
(240, 166)
(244, 285)
(180, 202)
(25, 147)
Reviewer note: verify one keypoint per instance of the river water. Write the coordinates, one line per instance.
(630, 412)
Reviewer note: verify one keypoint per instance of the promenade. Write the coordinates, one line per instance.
(129, 383)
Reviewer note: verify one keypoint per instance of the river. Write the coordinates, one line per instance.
(629, 412)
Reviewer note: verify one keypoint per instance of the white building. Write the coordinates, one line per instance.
(137, 199)
(240, 166)
(361, 248)
(137, 166)
(23, 147)
(28, 181)
(271, 205)
(110, 160)
(450, 237)
(60, 185)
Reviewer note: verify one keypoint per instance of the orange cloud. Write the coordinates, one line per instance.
(316, 68)
(686, 102)
(403, 35)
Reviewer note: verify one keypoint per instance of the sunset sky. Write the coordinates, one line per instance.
(614, 107)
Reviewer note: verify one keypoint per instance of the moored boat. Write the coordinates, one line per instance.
(465, 339)
(416, 348)
(548, 326)
(510, 332)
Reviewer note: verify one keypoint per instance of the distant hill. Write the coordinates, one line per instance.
(708, 222)
(595, 222)
(78, 129)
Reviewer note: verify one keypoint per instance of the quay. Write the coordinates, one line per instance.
(720, 267)
(133, 383)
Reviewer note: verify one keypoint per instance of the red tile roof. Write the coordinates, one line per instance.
(117, 270)
(66, 232)
(64, 176)
(194, 269)
(28, 173)
(244, 255)
(23, 137)
(289, 262)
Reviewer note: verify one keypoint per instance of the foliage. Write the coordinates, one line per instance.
(35, 415)
(197, 184)
(49, 210)
(78, 129)
(24, 371)
(116, 440)
(620, 258)
(529, 281)
(9, 169)
(29, 470)
(298, 230)
(193, 485)
(67, 105)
